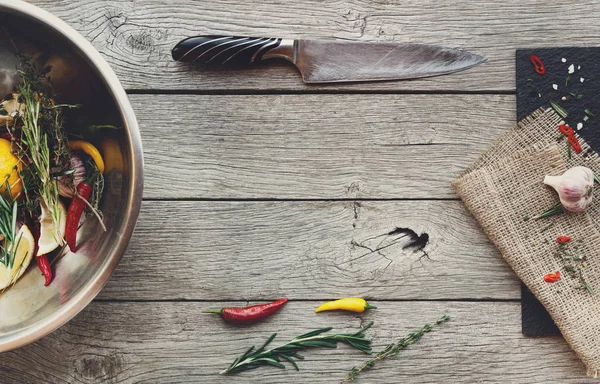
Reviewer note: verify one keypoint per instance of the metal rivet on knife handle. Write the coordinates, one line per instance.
(230, 50)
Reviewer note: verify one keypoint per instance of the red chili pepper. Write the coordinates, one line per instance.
(42, 261)
(74, 214)
(574, 143)
(566, 130)
(537, 64)
(552, 277)
(563, 239)
(44, 265)
(253, 313)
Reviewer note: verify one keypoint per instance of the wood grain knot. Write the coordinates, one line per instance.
(95, 367)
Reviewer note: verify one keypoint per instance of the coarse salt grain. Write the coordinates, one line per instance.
(579, 126)
(564, 60)
(555, 86)
(571, 68)
(581, 79)
(579, 67)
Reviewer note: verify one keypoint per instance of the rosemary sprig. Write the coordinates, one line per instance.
(553, 210)
(559, 109)
(36, 148)
(43, 146)
(252, 358)
(394, 349)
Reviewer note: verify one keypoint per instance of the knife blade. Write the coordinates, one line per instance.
(328, 61)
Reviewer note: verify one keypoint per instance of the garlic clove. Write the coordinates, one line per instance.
(68, 183)
(574, 187)
(577, 205)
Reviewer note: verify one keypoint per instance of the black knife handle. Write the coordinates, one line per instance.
(224, 50)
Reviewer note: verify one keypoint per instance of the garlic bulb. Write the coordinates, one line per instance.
(574, 188)
(67, 183)
(11, 108)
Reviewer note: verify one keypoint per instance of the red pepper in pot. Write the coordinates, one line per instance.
(42, 261)
(251, 314)
(44, 265)
(74, 214)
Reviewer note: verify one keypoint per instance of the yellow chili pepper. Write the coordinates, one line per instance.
(353, 304)
(111, 153)
(90, 150)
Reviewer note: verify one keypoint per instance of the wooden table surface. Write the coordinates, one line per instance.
(258, 186)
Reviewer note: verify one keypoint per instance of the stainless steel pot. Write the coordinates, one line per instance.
(29, 311)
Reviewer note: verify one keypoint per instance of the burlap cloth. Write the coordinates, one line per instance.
(505, 185)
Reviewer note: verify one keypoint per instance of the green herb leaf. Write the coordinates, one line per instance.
(314, 339)
(559, 109)
(553, 210)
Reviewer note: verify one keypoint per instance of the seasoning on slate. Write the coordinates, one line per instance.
(560, 110)
(537, 64)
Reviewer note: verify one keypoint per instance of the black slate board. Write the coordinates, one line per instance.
(534, 91)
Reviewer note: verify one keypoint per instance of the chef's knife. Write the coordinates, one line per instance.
(327, 61)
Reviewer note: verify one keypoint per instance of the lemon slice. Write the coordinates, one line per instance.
(25, 244)
(50, 238)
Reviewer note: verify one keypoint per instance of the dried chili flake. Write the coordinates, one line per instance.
(566, 130)
(552, 277)
(537, 64)
(563, 239)
(575, 144)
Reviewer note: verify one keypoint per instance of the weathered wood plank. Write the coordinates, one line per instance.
(314, 146)
(136, 37)
(174, 342)
(308, 250)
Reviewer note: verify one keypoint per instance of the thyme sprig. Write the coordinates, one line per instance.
(393, 349)
(254, 358)
(42, 144)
